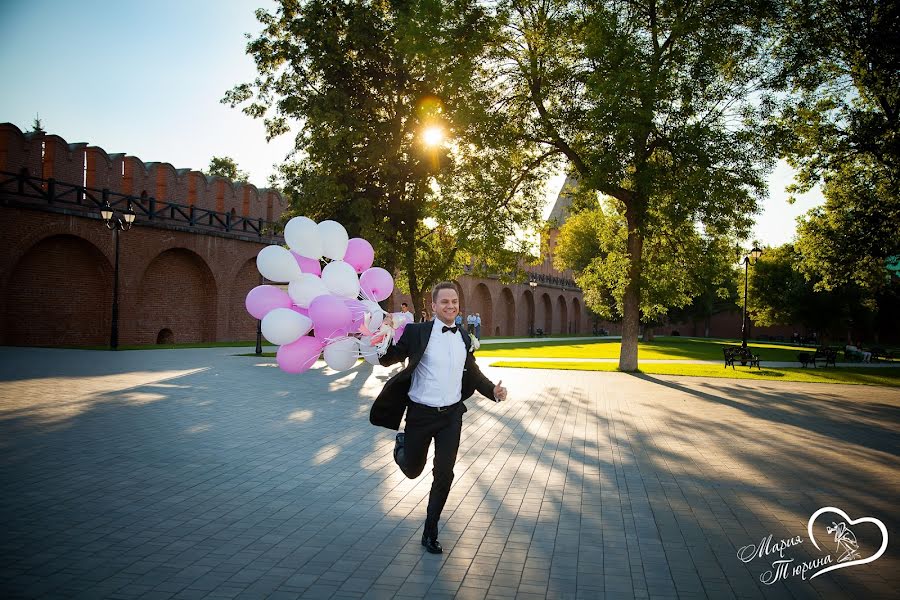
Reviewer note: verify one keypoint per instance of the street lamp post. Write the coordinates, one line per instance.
(259, 328)
(754, 255)
(532, 285)
(116, 223)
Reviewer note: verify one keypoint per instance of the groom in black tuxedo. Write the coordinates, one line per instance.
(441, 374)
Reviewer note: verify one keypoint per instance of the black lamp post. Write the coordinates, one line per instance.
(259, 327)
(533, 285)
(116, 223)
(752, 257)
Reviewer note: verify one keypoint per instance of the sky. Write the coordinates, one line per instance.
(146, 79)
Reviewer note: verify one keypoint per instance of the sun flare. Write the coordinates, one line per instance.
(433, 135)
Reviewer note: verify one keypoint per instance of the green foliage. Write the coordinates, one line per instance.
(781, 294)
(839, 124)
(889, 377)
(360, 81)
(37, 126)
(849, 240)
(650, 104)
(225, 166)
(682, 268)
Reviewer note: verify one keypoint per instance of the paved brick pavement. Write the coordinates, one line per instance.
(198, 474)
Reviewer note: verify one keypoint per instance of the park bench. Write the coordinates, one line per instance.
(881, 354)
(829, 355)
(739, 353)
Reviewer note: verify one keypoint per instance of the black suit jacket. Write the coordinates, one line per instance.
(387, 411)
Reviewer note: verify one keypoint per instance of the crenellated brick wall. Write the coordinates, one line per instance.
(50, 156)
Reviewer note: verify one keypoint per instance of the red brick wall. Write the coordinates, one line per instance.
(191, 283)
(242, 326)
(177, 291)
(507, 307)
(59, 294)
(65, 162)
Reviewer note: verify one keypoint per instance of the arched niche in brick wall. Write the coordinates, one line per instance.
(59, 293)
(463, 305)
(178, 292)
(546, 318)
(484, 305)
(507, 317)
(562, 325)
(241, 325)
(576, 315)
(526, 310)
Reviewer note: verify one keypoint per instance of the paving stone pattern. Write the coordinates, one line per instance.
(199, 474)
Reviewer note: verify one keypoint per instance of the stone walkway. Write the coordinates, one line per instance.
(199, 474)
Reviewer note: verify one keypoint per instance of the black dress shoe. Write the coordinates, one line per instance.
(398, 448)
(431, 544)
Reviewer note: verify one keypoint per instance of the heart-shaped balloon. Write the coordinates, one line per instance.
(847, 521)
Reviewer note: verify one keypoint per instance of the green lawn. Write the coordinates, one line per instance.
(673, 348)
(888, 376)
(250, 344)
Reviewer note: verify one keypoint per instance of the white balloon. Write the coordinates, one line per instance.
(284, 326)
(302, 235)
(305, 288)
(277, 264)
(341, 279)
(368, 351)
(334, 239)
(342, 353)
(377, 314)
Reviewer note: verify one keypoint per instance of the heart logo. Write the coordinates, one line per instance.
(845, 539)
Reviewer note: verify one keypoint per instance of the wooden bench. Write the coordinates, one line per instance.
(744, 355)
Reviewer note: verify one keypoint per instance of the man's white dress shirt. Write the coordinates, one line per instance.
(437, 380)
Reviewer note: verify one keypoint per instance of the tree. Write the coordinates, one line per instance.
(716, 286)
(225, 166)
(362, 81)
(688, 274)
(37, 126)
(651, 104)
(781, 294)
(839, 125)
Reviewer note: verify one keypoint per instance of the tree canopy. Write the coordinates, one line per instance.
(838, 124)
(225, 166)
(688, 274)
(651, 104)
(361, 82)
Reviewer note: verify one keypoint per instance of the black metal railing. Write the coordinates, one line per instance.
(35, 191)
(550, 280)
(539, 278)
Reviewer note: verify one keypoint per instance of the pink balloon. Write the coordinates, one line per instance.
(330, 316)
(399, 332)
(376, 284)
(299, 356)
(308, 265)
(264, 298)
(357, 313)
(301, 310)
(359, 254)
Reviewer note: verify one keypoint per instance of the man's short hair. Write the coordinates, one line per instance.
(444, 285)
(404, 304)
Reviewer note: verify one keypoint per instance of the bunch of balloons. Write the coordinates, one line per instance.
(331, 309)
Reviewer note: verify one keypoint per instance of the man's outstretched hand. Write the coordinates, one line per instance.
(500, 391)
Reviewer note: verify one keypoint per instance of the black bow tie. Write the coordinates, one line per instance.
(450, 329)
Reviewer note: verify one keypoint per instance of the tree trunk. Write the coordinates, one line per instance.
(631, 325)
(648, 334)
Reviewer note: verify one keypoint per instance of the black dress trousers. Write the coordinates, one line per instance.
(424, 423)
